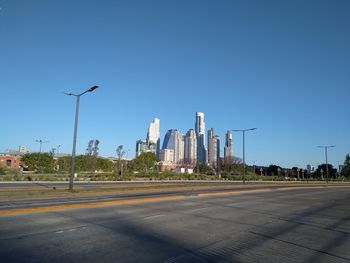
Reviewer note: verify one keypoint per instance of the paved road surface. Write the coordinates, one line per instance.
(295, 225)
(28, 184)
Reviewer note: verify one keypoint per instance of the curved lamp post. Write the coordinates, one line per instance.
(75, 132)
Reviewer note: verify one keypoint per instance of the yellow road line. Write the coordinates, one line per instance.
(140, 200)
(75, 206)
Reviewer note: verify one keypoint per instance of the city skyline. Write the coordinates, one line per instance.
(280, 66)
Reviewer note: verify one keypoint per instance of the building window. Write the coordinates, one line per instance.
(8, 163)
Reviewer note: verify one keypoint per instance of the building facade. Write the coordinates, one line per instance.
(153, 134)
(166, 156)
(212, 149)
(10, 162)
(200, 134)
(141, 147)
(174, 140)
(190, 155)
(228, 149)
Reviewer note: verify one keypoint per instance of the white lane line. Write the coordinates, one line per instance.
(154, 216)
(198, 209)
(59, 232)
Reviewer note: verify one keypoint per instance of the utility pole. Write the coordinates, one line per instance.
(326, 153)
(41, 143)
(243, 131)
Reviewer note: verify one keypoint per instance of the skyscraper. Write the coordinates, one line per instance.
(190, 147)
(174, 140)
(218, 149)
(212, 148)
(152, 142)
(228, 147)
(200, 134)
(153, 134)
(141, 146)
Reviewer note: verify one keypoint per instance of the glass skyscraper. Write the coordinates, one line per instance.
(200, 134)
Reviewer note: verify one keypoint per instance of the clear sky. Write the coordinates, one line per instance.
(280, 66)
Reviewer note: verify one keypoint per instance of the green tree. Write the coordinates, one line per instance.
(83, 163)
(331, 170)
(273, 170)
(40, 162)
(346, 169)
(119, 165)
(145, 161)
(205, 169)
(233, 165)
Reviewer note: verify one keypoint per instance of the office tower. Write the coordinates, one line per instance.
(218, 149)
(212, 148)
(174, 140)
(179, 148)
(153, 134)
(190, 147)
(200, 134)
(141, 147)
(228, 147)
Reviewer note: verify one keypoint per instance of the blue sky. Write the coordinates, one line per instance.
(280, 66)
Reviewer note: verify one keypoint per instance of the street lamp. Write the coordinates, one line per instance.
(41, 143)
(243, 131)
(75, 132)
(326, 153)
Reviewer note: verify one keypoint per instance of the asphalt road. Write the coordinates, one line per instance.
(82, 184)
(294, 225)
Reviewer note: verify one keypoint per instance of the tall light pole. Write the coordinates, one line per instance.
(41, 143)
(243, 131)
(75, 132)
(326, 153)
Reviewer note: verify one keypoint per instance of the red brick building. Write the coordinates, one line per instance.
(7, 161)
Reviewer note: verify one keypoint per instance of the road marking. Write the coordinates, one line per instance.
(198, 209)
(59, 232)
(85, 205)
(154, 216)
(140, 200)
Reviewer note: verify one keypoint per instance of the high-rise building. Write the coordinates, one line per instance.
(152, 142)
(153, 134)
(212, 148)
(190, 147)
(141, 146)
(174, 140)
(200, 134)
(228, 153)
(218, 149)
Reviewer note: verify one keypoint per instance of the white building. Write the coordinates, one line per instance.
(166, 156)
(153, 134)
(200, 134)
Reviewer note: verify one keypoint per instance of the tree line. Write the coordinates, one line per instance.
(146, 162)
